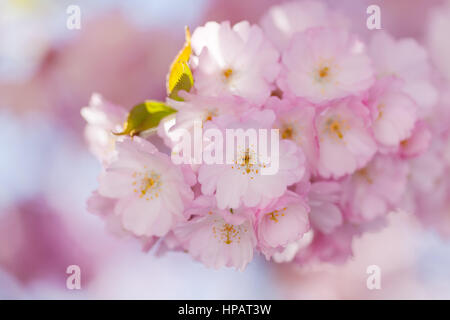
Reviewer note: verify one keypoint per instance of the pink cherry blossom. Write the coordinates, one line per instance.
(103, 118)
(394, 113)
(345, 141)
(217, 237)
(335, 247)
(323, 64)
(234, 60)
(104, 207)
(437, 38)
(243, 182)
(323, 199)
(354, 130)
(428, 172)
(204, 108)
(199, 109)
(37, 241)
(376, 189)
(418, 142)
(283, 221)
(151, 192)
(295, 120)
(282, 21)
(407, 60)
(429, 182)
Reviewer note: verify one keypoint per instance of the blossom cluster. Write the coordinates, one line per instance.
(352, 118)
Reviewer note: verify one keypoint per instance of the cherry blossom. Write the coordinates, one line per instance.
(407, 60)
(103, 120)
(303, 135)
(151, 192)
(236, 60)
(376, 189)
(281, 22)
(345, 141)
(242, 181)
(282, 222)
(217, 237)
(394, 113)
(322, 64)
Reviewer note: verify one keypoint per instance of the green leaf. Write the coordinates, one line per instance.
(180, 75)
(185, 80)
(145, 116)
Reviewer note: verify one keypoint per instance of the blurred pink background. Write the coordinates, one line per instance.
(123, 51)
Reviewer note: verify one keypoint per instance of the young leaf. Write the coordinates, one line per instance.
(145, 116)
(185, 80)
(180, 75)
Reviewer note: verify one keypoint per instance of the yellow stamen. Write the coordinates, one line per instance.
(287, 133)
(147, 183)
(227, 73)
(227, 233)
(364, 173)
(274, 215)
(336, 128)
(380, 108)
(324, 72)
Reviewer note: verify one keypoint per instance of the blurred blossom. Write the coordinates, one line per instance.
(408, 60)
(399, 262)
(236, 10)
(103, 119)
(36, 243)
(109, 55)
(430, 173)
(437, 37)
(281, 22)
(403, 18)
(21, 50)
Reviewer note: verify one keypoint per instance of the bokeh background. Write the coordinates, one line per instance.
(123, 51)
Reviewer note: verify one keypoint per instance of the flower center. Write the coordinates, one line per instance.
(209, 115)
(227, 73)
(364, 173)
(147, 184)
(227, 233)
(404, 143)
(323, 73)
(336, 128)
(380, 109)
(287, 133)
(247, 163)
(274, 215)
